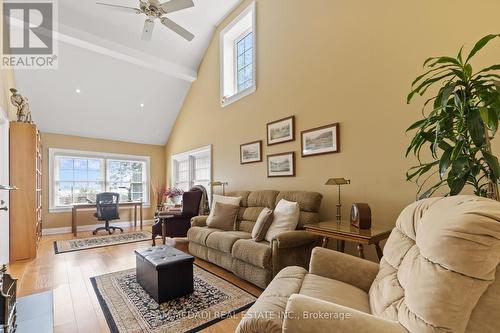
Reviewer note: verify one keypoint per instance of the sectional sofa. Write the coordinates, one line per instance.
(257, 262)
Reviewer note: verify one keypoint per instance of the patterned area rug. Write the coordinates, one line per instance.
(79, 244)
(128, 308)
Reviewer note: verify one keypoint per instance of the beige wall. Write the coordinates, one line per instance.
(326, 61)
(6, 80)
(49, 140)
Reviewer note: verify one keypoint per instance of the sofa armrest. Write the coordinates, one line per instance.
(199, 221)
(292, 248)
(343, 267)
(295, 238)
(312, 315)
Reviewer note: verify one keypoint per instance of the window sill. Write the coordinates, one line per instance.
(231, 99)
(57, 210)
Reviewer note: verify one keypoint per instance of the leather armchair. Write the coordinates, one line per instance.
(169, 224)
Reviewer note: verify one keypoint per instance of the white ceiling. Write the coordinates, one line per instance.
(101, 53)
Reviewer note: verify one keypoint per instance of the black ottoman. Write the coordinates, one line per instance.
(164, 272)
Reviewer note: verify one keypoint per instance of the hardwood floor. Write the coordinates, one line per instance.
(76, 308)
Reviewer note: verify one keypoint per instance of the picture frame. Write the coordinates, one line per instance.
(281, 131)
(251, 152)
(281, 165)
(320, 140)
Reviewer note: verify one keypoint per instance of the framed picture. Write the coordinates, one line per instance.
(251, 152)
(280, 131)
(320, 140)
(281, 165)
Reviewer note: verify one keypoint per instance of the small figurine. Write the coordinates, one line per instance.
(27, 111)
(22, 106)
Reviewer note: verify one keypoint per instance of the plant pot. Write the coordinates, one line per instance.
(176, 200)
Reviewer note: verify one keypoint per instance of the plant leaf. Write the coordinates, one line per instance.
(444, 60)
(460, 166)
(492, 162)
(427, 82)
(456, 185)
(491, 68)
(456, 151)
(416, 124)
(475, 126)
(444, 163)
(428, 72)
(468, 70)
(459, 57)
(431, 190)
(448, 89)
(483, 111)
(479, 45)
(492, 120)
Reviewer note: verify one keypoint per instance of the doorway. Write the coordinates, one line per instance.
(4, 180)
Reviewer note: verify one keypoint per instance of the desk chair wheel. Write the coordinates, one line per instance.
(108, 228)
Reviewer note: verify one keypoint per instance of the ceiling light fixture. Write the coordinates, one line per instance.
(142, 105)
(78, 91)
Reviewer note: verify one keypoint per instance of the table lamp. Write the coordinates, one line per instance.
(338, 182)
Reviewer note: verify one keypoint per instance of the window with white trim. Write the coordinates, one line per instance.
(238, 63)
(77, 177)
(191, 168)
(244, 61)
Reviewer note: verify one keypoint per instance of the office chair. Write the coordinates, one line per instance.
(107, 205)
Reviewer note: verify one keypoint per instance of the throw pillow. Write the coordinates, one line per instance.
(223, 216)
(225, 200)
(286, 218)
(262, 224)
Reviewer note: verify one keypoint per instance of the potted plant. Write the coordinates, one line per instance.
(458, 125)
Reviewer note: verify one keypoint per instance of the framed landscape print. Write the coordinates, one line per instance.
(251, 152)
(280, 131)
(281, 165)
(320, 140)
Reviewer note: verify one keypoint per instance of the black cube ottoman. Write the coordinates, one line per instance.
(164, 272)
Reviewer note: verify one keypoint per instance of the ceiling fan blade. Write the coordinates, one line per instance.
(147, 32)
(175, 5)
(177, 28)
(122, 8)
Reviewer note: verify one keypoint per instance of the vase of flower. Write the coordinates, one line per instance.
(174, 195)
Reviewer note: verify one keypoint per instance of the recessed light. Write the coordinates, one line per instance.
(78, 91)
(142, 105)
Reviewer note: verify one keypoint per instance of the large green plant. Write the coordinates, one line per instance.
(457, 126)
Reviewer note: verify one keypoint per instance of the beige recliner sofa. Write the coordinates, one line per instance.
(257, 262)
(440, 273)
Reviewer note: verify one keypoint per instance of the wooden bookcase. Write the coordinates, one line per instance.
(26, 202)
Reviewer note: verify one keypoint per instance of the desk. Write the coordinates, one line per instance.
(76, 207)
(344, 231)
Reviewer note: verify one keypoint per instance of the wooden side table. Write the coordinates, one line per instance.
(344, 231)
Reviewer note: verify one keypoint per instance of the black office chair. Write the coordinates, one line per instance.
(107, 210)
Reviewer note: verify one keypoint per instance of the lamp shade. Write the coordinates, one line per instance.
(218, 183)
(338, 181)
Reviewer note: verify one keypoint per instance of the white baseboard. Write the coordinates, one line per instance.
(90, 227)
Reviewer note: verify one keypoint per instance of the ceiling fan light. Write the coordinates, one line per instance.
(147, 32)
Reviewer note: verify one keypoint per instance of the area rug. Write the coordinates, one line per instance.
(128, 308)
(78, 244)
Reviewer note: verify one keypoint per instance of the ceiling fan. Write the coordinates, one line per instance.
(153, 9)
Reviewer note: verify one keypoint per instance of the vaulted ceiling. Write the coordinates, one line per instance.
(110, 84)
